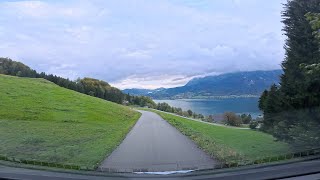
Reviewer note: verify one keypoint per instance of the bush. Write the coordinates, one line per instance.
(246, 119)
(253, 125)
(232, 119)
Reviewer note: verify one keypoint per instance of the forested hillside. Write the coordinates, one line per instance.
(90, 86)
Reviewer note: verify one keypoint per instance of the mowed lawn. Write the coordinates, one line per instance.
(44, 122)
(228, 144)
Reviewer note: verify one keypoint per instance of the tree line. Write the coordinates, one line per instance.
(232, 119)
(229, 118)
(291, 108)
(89, 86)
(189, 113)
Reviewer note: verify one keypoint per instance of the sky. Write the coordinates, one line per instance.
(143, 43)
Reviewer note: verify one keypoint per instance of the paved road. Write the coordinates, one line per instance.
(154, 145)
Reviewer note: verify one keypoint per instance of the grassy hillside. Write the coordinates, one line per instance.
(228, 144)
(42, 121)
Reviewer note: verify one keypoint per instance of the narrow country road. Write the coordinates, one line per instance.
(153, 145)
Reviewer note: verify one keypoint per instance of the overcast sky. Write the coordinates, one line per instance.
(143, 43)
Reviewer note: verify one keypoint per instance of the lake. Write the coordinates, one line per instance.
(241, 105)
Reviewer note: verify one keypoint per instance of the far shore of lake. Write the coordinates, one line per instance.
(218, 105)
(213, 97)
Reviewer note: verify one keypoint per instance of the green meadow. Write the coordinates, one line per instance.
(225, 143)
(41, 121)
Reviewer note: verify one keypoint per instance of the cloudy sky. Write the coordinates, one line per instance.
(143, 43)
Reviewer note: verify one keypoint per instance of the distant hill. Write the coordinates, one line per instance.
(89, 86)
(250, 83)
(141, 92)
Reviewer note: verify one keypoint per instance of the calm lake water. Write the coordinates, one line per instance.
(217, 106)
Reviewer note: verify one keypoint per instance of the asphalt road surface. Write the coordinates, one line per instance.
(153, 145)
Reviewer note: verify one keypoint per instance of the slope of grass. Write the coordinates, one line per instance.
(228, 144)
(44, 122)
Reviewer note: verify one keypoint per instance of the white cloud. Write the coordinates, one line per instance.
(45, 10)
(218, 51)
(125, 41)
(138, 54)
(152, 82)
(28, 8)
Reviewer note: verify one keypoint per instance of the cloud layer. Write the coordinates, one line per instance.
(142, 43)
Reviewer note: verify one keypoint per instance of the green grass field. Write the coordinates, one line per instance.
(228, 144)
(44, 122)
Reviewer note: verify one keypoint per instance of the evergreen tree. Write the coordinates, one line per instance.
(290, 108)
(262, 100)
(301, 47)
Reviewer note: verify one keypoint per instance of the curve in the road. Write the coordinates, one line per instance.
(153, 145)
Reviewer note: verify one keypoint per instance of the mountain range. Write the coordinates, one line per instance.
(247, 84)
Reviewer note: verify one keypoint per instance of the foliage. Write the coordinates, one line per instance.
(262, 100)
(246, 119)
(9, 67)
(101, 89)
(90, 86)
(41, 121)
(209, 118)
(230, 118)
(291, 108)
(198, 116)
(167, 108)
(253, 124)
(314, 19)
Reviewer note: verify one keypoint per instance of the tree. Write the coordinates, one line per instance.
(164, 107)
(210, 118)
(14, 68)
(272, 107)
(201, 116)
(246, 119)
(195, 115)
(314, 20)
(301, 47)
(185, 113)
(253, 125)
(262, 100)
(178, 111)
(293, 105)
(232, 119)
(190, 113)
(87, 86)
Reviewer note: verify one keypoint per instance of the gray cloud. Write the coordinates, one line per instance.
(142, 43)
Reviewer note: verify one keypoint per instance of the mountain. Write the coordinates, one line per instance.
(250, 83)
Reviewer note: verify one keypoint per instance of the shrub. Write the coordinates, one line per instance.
(253, 125)
(232, 119)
